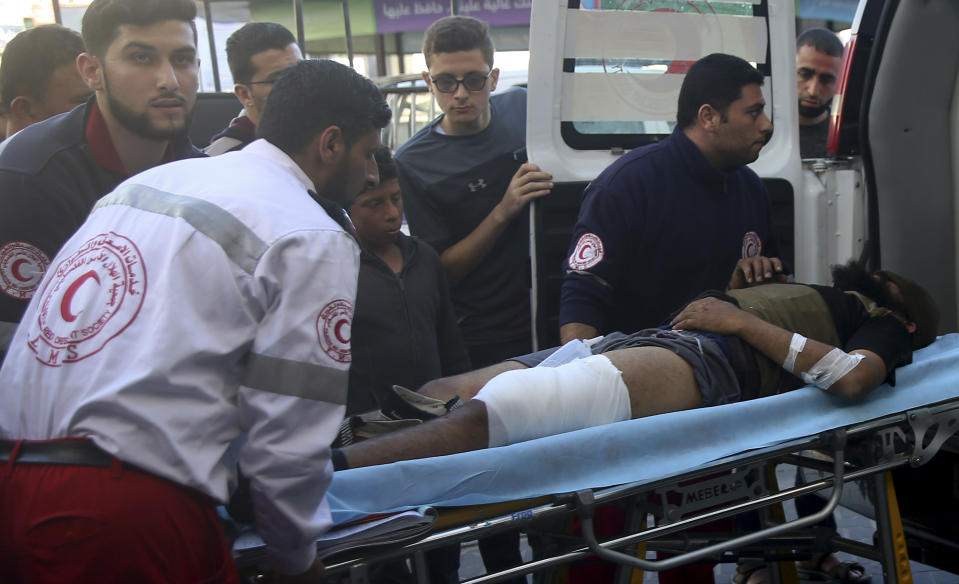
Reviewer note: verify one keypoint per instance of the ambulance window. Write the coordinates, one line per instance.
(625, 60)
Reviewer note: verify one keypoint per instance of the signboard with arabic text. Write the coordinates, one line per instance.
(413, 15)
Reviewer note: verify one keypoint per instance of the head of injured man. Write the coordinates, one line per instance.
(327, 118)
(905, 297)
(722, 110)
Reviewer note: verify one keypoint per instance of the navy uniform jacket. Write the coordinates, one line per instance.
(656, 228)
(51, 174)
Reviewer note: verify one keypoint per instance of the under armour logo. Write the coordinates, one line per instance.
(476, 185)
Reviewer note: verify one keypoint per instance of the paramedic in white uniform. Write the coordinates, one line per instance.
(203, 304)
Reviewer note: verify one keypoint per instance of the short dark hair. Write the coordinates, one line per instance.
(250, 39)
(717, 80)
(30, 59)
(104, 17)
(385, 163)
(822, 39)
(313, 95)
(457, 33)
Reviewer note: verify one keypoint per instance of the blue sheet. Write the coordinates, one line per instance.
(636, 450)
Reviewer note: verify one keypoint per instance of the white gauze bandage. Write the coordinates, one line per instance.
(796, 345)
(524, 404)
(831, 368)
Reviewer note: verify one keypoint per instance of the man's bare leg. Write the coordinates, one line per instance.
(465, 428)
(466, 385)
(657, 379)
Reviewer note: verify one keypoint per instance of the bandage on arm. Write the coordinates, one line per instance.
(796, 345)
(831, 368)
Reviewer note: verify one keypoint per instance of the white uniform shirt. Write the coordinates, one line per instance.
(203, 303)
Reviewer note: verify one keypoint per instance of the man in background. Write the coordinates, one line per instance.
(818, 59)
(141, 63)
(39, 77)
(256, 52)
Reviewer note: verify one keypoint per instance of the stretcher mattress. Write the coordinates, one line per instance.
(639, 450)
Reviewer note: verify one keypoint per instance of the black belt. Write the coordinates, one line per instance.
(76, 452)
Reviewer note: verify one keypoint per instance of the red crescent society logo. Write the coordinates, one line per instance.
(588, 252)
(752, 245)
(21, 268)
(91, 297)
(333, 327)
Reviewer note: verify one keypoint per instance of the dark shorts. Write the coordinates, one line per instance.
(707, 354)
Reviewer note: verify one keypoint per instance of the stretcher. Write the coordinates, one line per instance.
(685, 468)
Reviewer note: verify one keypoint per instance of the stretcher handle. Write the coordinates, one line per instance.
(585, 503)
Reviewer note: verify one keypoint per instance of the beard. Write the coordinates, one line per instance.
(140, 123)
(337, 187)
(813, 112)
(854, 277)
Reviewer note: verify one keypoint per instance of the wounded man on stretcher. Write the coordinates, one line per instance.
(719, 348)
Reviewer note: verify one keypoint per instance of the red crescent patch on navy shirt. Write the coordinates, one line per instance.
(91, 297)
(21, 268)
(752, 245)
(334, 329)
(588, 252)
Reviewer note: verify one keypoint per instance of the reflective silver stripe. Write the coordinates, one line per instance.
(296, 379)
(6, 336)
(236, 239)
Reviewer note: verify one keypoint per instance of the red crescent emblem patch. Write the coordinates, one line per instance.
(21, 268)
(333, 327)
(91, 297)
(588, 252)
(752, 245)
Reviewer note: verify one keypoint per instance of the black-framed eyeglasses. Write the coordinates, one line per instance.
(449, 84)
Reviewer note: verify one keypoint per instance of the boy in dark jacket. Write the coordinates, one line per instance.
(404, 329)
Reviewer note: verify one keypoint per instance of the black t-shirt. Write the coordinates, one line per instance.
(449, 185)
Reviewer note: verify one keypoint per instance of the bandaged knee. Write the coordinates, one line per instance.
(531, 403)
(831, 368)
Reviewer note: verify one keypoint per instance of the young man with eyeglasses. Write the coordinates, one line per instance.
(467, 186)
(256, 52)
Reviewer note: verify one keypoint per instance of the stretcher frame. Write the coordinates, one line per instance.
(863, 452)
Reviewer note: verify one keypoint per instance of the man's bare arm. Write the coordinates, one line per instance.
(576, 330)
(714, 315)
(461, 258)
